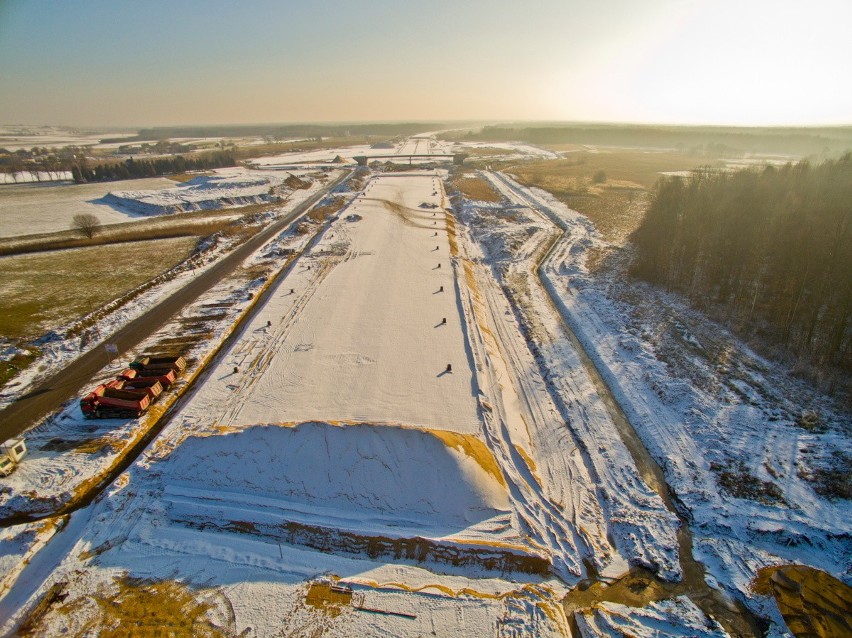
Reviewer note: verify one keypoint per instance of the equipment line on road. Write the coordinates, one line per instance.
(139, 447)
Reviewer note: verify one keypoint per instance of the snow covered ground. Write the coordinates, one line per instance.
(318, 156)
(60, 349)
(66, 450)
(416, 507)
(45, 208)
(362, 337)
(703, 418)
(563, 406)
(515, 150)
(329, 475)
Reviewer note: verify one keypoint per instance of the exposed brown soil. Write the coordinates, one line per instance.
(812, 602)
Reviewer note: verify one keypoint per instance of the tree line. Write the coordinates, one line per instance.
(715, 141)
(283, 131)
(134, 168)
(768, 250)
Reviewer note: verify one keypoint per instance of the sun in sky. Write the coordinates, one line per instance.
(102, 63)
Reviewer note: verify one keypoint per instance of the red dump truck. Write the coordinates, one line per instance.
(174, 362)
(112, 400)
(151, 385)
(135, 389)
(164, 376)
(165, 368)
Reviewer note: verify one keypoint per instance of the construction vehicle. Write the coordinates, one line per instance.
(151, 385)
(175, 362)
(165, 376)
(7, 465)
(135, 389)
(111, 400)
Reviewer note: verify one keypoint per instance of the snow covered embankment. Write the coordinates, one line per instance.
(639, 528)
(225, 189)
(736, 424)
(323, 486)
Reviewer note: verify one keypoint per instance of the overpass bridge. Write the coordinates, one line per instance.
(457, 158)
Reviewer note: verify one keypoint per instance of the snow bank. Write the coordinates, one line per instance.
(224, 189)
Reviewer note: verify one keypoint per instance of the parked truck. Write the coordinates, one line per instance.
(151, 385)
(111, 400)
(135, 389)
(164, 376)
(174, 362)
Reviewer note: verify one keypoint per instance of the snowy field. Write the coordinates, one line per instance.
(515, 150)
(698, 419)
(66, 450)
(330, 476)
(419, 519)
(416, 145)
(14, 138)
(30, 209)
(362, 336)
(43, 208)
(426, 143)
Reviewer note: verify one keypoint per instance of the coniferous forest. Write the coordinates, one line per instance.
(769, 251)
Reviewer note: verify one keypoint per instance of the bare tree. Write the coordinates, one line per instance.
(86, 223)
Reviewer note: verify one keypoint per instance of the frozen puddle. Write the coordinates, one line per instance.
(357, 331)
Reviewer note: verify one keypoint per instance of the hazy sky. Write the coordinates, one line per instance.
(151, 62)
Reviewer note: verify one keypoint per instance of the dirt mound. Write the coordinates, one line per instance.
(295, 183)
(355, 472)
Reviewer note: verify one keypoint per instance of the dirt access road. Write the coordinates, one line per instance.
(67, 382)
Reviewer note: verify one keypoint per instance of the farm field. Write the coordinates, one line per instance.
(28, 209)
(43, 291)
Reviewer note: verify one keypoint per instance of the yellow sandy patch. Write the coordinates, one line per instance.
(130, 607)
(530, 463)
(812, 602)
(328, 598)
(474, 448)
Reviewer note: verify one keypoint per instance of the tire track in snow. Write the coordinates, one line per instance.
(553, 526)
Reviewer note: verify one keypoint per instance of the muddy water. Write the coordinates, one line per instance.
(639, 587)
